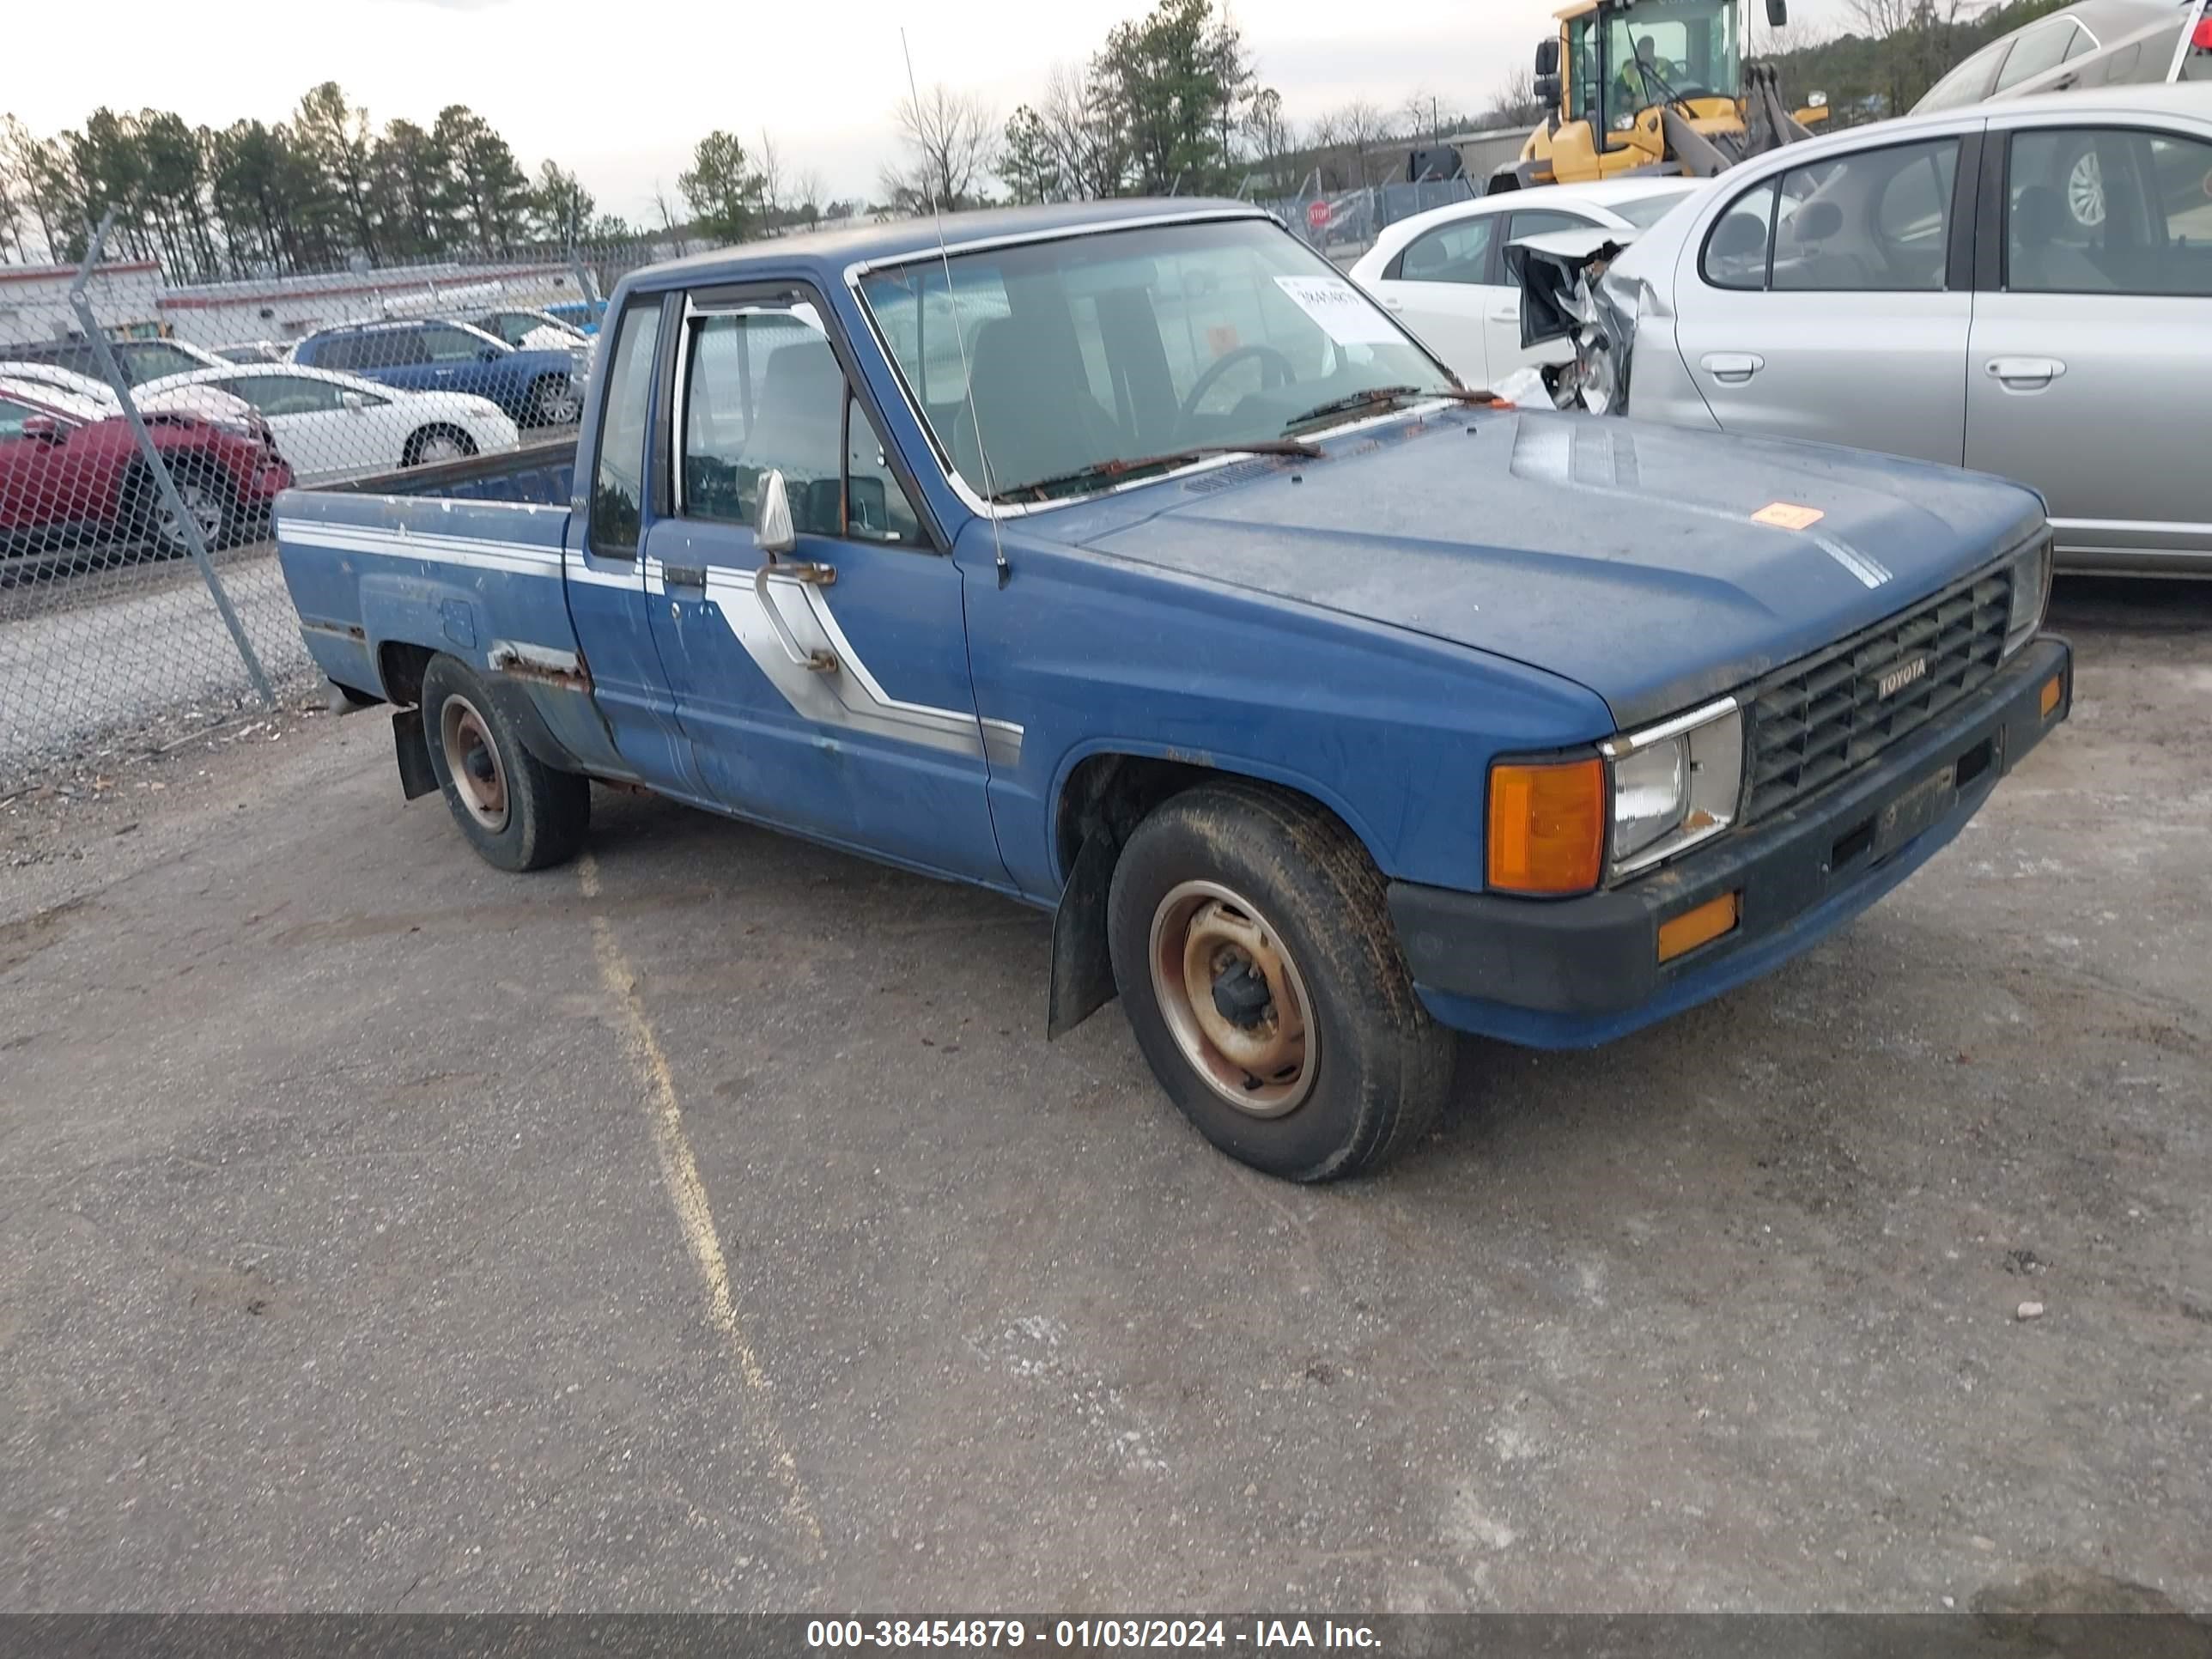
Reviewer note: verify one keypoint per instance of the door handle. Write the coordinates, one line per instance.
(1732, 367)
(1390, 304)
(2026, 374)
(684, 575)
(1509, 312)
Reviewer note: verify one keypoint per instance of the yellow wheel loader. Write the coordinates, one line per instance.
(1652, 86)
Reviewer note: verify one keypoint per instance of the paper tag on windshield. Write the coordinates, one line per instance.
(1347, 315)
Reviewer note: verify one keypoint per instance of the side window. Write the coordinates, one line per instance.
(1969, 83)
(618, 480)
(2035, 51)
(1451, 254)
(283, 394)
(2109, 211)
(340, 351)
(1532, 223)
(1736, 248)
(1878, 221)
(443, 343)
(877, 508)
(12, 417)
(2082, 44)
(763, 393)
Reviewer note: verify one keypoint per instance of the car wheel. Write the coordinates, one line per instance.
(518, 812)
(2085, 191)
(207, 505)
(434, 444)
(555, 401)
(1253, 947)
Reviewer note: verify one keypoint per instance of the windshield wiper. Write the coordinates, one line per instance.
(1391, 394)
(1112, 471)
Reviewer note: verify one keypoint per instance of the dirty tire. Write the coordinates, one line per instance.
(545, 812)
(1383, 1067)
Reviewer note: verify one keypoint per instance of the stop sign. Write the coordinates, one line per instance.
(1316, 216)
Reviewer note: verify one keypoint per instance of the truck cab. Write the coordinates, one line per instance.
(1127, 559)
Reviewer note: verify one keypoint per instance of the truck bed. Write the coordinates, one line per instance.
(465, 557)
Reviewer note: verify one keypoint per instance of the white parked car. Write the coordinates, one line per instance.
(207, 403)
(1442, 272)
(330, 425)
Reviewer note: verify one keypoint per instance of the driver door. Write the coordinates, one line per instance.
(827, 692)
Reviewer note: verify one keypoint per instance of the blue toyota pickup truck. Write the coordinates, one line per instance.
(1126, 559)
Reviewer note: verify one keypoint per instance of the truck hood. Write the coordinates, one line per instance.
(1656, 567)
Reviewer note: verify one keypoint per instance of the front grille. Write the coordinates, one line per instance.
(1825, 716)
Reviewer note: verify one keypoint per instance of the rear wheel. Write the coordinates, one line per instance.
(553, 401)
(518, 812)
(434, 444)
(1253, 947)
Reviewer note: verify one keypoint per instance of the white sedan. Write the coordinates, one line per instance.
(1443, 273)
(330, 425)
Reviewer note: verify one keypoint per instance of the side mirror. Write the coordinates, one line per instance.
(352, 400)
(1547, 91)
(772, 522)
(490, 355)
(44, 428)
(1547, 56)
(1777, 13)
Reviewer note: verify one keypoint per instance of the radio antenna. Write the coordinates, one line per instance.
(959, 334)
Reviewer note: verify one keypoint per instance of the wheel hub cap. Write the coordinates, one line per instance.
(472, 759)
(1233, 1000)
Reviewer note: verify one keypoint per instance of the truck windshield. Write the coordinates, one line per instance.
(1056, 361)
(1691, 45)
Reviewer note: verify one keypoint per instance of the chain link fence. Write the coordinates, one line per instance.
(147, 427)
(1343, 224)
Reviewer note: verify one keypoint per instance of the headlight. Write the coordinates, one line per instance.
(1675, 784)
(2031, 593)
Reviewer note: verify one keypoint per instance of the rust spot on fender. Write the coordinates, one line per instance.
(565, 669)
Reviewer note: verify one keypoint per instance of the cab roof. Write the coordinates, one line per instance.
(827, 253)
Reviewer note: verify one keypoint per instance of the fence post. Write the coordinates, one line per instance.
(96, 337)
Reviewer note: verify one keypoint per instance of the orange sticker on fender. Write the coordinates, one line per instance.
(1788, 515)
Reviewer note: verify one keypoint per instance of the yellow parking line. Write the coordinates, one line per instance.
(679, 1173)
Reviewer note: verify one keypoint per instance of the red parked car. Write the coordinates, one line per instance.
(70, 473)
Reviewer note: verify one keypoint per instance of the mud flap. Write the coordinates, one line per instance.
(1081, 966)
(413, 750)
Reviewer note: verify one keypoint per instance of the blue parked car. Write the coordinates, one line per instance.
(536, 388)
(1128, 560)
(583, 314)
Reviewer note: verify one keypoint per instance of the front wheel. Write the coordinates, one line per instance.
(518, 812)
(1253, 948)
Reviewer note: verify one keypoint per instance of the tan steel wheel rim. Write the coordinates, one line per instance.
(1261, 1061)
(472, 761)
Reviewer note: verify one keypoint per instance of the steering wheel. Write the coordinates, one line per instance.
(1277, 372)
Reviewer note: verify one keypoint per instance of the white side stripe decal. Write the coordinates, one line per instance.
(850, 695)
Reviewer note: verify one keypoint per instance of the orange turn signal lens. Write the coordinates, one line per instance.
(2053, 689)
(1546, 825)
(1685, 932)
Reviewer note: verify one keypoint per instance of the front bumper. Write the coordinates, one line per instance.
(1574, 973)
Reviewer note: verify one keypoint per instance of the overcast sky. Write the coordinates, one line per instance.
(621, 92)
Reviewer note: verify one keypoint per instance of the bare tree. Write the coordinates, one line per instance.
(1360, 128)
(1515, 103)
(665, 215)
(950, 137)
(1086, 139)
(809, 195)
(768, 165)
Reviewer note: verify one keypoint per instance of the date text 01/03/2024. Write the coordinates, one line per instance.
(1086, 1633)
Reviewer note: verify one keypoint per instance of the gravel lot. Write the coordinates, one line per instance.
(134, 649)
(709, 1225)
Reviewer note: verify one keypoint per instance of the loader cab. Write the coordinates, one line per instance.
(1614, 64)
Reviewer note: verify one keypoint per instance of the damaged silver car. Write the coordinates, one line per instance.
(2012, 288)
